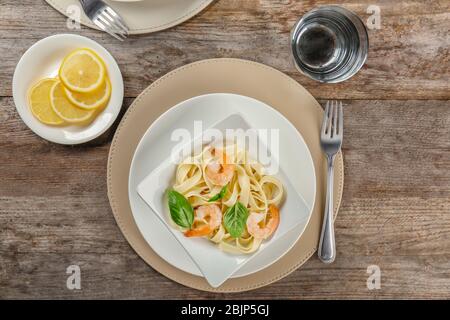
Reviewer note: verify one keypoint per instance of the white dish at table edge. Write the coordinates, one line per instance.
(153, 230)
(42, 60)
(217, 266)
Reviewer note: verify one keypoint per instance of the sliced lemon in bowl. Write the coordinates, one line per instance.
(91, 100)
(39, 102)
(64, 108)
(82, 71)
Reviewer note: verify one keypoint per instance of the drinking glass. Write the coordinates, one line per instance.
(329, 44)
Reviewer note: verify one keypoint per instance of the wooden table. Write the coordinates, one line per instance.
(395, 213)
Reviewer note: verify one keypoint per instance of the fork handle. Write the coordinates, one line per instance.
(327, 244)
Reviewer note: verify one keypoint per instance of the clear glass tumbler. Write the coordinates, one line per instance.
(329, 44)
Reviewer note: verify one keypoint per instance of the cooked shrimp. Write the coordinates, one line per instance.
(212, 214)
(202, 231)
(254, 220)
(219, 171)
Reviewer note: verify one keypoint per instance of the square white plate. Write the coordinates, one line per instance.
(217, 266)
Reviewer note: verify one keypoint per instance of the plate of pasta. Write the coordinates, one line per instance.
(226, 186)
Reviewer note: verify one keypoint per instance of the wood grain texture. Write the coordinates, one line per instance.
(54, 210)
(408, 58)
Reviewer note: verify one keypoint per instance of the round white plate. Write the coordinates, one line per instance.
(42, 60)
(297, 163)
(142, 17)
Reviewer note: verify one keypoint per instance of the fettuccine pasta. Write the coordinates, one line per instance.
(234, 204)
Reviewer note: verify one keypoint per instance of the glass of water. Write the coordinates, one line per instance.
(329, 44)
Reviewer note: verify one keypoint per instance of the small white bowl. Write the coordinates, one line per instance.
(42, 60)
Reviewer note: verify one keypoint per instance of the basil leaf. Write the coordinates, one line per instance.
(220, 195)
(181, 210)
(235, 218)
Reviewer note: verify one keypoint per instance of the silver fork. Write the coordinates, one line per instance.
(331, 141)
(104, 17)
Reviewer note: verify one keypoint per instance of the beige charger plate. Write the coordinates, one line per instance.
(144, 16)
(221, 76)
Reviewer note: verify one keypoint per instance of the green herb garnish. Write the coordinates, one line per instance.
(235, 218)
(220, 195)
(181, 210)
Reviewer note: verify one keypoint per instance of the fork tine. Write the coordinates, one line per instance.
(325, 118)
(114, 22)
(118, 18)
(110, 29)
(105, 18)
(341, 120)
(330, 119)
(335, 114)
(102, 25)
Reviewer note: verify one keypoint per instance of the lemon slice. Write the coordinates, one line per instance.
(91, 100)
(39, 102)
(82, 71)
(64, 108)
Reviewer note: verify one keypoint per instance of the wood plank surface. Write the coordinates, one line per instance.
(54, 210)
(408, 58)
